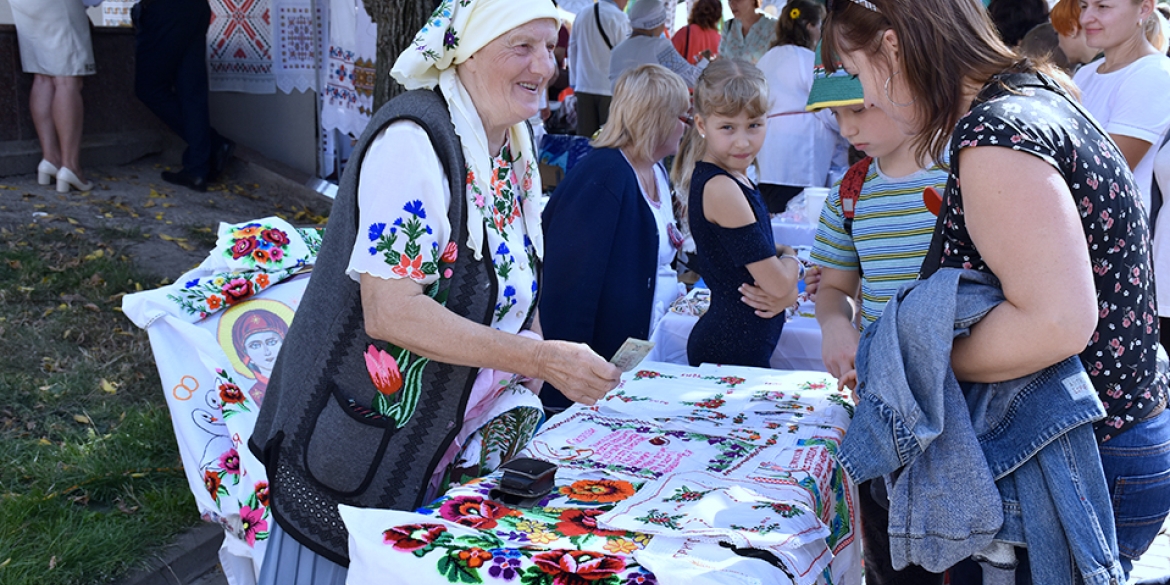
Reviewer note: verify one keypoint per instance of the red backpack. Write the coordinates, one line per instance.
(850, 192)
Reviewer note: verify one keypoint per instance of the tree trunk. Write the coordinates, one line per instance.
(398, 21)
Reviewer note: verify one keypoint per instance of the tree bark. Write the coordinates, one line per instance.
(398, 21)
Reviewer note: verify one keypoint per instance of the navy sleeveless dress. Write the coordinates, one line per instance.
(730, 332)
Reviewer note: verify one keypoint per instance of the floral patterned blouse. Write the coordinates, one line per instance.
(750, 47)
(1120, 357)
(402, 206)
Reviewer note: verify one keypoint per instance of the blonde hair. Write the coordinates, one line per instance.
(647, 102)
(1154, 31)
(726, 87)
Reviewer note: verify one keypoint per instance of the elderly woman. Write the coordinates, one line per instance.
(408, 336)
(1036, 197)
(55, 47)
(610, 229)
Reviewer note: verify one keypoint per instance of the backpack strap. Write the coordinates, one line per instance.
(850, 190)
(601, 29)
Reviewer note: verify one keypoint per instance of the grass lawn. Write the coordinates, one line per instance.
(91, 483)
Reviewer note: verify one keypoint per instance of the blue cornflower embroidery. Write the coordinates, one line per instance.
(192, 283)
(415, 208)
(373, 251)
(376, 231)
(503, 249)
(509, 291)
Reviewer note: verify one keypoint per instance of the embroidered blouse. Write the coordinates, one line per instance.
(750, 47)
(403, 218)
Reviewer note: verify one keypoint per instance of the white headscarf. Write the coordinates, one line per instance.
(454, 32)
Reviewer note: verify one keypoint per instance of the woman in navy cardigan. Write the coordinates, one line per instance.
(609, 228)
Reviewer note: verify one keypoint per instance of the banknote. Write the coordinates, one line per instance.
(631, 353)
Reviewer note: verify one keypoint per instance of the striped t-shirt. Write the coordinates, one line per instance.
(891, 234)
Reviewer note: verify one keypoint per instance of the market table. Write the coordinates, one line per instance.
(799, 347)
(793, 233)
(679, 475)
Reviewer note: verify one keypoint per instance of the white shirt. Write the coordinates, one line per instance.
(588, 56)
(642, 50)
(1162, 233)
(404, 232)
(1132, 101)
(666, 284)
(799, 147)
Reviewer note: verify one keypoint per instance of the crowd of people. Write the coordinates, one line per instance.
(1052, 265)
(999, 169)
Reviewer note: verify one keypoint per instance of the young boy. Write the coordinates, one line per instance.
(871, 251)
(884, 242)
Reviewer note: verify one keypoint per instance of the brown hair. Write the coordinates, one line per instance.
(790, 31)
(706, 14)
(647, 101)
(943, 45)
(1066, 17)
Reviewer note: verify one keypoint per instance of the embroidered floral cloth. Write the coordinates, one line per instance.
(215, 334)
(650, 481)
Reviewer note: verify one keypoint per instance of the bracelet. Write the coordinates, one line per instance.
(799, 265)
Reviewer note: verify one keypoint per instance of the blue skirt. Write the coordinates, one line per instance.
(288, 562)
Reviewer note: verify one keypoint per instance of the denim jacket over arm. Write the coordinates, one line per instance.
(968, 464)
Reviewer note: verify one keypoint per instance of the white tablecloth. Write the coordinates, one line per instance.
(648, 481)
(799, 347)
(793, 233)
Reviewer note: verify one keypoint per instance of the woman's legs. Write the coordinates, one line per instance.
(40, 104)
(68, 114)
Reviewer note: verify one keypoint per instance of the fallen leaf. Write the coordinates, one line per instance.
(149, 204)
(108, 388)
(45, 442)
(53, 562)
(81, 418)
(167, 237)
(71, 220)
(14, 264)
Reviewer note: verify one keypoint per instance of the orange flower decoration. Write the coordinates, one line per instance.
(214, 302)
(598, 490)
(262, 280)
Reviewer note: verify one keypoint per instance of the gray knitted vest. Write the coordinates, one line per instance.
(317, 435)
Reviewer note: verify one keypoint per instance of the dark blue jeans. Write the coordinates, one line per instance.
(170, 74)
(1137, 468)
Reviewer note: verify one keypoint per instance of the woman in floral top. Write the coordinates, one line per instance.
(750, 34)
(1040, 196)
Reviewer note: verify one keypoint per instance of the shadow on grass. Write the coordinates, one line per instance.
(91, 484)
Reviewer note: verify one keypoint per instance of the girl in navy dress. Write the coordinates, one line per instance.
(730, 225)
